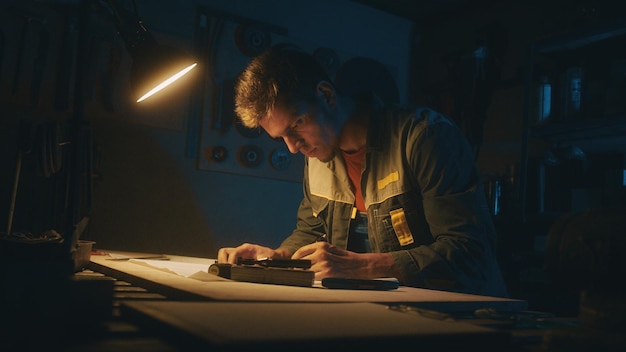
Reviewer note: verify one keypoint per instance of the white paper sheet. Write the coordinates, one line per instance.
(181, 268)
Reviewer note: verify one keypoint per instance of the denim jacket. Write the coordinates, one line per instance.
(424, 198)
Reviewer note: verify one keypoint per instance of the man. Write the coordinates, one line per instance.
(393, 192)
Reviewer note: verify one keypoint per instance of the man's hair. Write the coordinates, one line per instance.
(277, 76)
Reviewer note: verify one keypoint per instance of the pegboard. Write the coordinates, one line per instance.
(226, 43)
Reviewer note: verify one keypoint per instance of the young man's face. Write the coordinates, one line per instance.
(304, 129)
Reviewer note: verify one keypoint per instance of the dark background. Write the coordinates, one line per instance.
(157, 188)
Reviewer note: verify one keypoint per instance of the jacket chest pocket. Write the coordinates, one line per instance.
(401, 224)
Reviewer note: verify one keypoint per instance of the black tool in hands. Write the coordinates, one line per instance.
(276, 263)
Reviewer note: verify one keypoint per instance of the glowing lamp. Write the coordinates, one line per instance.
(154, 66)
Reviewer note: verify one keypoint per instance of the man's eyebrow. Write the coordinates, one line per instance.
(285, 132)
(298, 111)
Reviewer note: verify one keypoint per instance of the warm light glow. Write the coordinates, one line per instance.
(167, 82)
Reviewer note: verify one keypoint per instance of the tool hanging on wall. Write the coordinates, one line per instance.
(226, 104)
(111, 72)
(1, 52)
(24, 147)
(216, 87)
(50, 135)
(31, 54)
(39, 64)
(20, 55)
(66, 64)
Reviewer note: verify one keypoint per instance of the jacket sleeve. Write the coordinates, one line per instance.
(462, 256)
(308, 227)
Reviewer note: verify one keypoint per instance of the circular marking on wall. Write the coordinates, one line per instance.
(250, 155)
(252, 41)
(280, 159)
(217, 153)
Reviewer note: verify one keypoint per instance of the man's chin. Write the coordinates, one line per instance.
(325, 158)
(319, 155)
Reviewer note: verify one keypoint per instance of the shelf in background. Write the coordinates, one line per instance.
(581, 37)
(601, 134)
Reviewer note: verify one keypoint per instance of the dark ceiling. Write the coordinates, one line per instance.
(428, 12)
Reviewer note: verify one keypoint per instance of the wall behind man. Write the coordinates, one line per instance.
(149, 193)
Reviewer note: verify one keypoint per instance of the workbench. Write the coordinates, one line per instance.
(156, 307)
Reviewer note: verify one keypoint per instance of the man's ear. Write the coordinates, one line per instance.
(326, 91)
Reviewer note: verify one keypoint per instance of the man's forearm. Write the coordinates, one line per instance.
(380, 265)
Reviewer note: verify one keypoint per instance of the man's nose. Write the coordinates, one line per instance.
(293, 144)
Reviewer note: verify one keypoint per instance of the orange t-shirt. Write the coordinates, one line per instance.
(354, 162)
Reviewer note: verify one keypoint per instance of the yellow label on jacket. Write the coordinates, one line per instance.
(392, 177)
(401, 227)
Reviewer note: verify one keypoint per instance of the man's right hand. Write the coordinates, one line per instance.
(246, 251)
